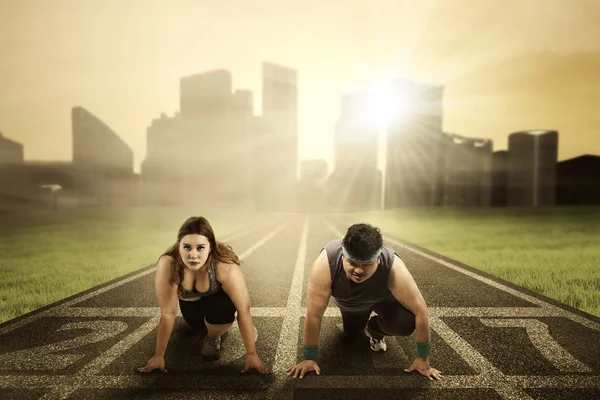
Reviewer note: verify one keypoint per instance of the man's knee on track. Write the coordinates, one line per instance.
(403, 326)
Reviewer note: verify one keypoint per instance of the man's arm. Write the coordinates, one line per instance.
(319, 291)
(405, 290)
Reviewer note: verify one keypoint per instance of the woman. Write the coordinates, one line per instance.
(205, 276)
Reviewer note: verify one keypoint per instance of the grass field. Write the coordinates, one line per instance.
(552, 251)
(48, 256)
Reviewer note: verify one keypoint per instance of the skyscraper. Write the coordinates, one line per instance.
(355, 183)
(10, 151)
(312, 185)
(467, 171)
(532, 157)
(414, 146)
(203, 154)
(500, 178)
(105, 159)
(96, 146)
(205, 94)
(578, 181)
(276, 140)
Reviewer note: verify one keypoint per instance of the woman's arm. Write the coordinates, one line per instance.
(234, 285)
(167, 301)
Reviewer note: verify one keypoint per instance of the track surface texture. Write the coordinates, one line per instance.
(490, 339)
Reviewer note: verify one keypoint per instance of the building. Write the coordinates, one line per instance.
(10, 152)
(578, 181)
(355, 183)
(41, 184)
(415, 144)
(313, 171)
(499, 195)
(96, 146)
(105, 159)
(312, 186)
(205, 94)
(532, 157)
(203, 154)
(160, 170)
(276, 141)
(467, 171)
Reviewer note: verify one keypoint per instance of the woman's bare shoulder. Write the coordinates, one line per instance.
(166, 259)
(223, 269)
(165, 263)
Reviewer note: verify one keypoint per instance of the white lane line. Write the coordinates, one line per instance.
(404, 381)
(212, 393)
(512, 393)
(471, 356)
(261, 242)
(250, 229)
(82, 298)
(148, 312)
(287, 346)
(556, 382)
(532, 312)
(166, 381)
(439, 312)
(481, 312)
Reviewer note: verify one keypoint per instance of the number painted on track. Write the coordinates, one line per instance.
(542, 340)
(45, 357)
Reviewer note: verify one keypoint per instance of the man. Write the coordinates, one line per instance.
(363, 275)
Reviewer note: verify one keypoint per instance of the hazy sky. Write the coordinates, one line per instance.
(122, 59)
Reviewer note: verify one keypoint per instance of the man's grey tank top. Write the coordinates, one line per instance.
(352, 296)
(214, 285)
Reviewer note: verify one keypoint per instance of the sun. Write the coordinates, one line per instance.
(386, 104)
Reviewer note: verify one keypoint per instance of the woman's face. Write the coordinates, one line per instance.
(194, 250)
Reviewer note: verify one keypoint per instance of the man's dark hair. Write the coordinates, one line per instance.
(362, 241)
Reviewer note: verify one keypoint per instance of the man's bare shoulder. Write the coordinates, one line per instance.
(398, 264)
(322, 261)
(320, 269)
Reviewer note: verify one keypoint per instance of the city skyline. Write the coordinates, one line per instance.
(86, 69)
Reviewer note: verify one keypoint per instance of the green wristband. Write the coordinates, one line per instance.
(311, 352)
(423, 349)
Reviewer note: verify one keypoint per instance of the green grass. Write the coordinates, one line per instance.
(552, 251)
(48, 256)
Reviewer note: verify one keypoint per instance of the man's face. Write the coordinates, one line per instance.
(359, 271)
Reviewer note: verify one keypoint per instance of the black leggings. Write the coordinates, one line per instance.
(392, 319)
(216, 308)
